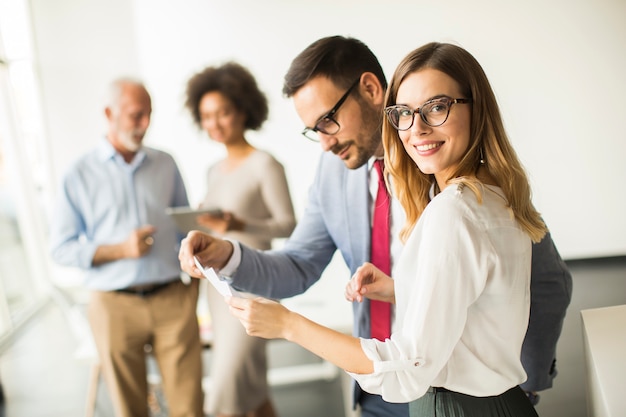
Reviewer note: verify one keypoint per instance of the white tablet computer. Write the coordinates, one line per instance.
(185, 217)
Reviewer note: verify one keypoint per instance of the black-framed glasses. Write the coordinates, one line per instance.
(327, 123)
(434, 112)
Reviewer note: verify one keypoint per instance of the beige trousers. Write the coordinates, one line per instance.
(238, 363)
(122, 324)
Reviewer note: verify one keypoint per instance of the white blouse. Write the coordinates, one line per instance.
(462, 290)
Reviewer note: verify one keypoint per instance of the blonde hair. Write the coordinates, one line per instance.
(488, 141)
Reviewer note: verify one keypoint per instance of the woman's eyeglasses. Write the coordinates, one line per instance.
(434, 112)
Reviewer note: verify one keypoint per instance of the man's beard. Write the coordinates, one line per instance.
(129, 141)
(371, 128)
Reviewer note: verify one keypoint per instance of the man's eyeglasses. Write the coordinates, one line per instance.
(327, 123)
(434, 112)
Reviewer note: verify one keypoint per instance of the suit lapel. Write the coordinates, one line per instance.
(356, 207)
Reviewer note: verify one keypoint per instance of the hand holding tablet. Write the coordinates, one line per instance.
(185, 217)
(220, 285)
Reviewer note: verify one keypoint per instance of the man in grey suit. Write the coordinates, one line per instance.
(338, 86)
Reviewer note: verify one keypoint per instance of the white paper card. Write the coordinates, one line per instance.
(221, 286)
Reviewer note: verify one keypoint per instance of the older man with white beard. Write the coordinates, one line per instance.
(110, 221)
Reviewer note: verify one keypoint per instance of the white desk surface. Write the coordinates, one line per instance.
(604, 331)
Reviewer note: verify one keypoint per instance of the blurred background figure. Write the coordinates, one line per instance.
(110, 220)
(250, 190)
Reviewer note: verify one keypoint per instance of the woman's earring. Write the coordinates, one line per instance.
(482, 158)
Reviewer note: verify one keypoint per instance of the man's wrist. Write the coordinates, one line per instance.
(233, 262)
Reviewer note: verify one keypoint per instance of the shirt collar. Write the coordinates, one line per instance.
(370, 163)
(106, 151)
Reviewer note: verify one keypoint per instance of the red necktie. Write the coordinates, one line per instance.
(380, 311)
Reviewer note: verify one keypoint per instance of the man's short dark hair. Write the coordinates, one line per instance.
(339, 58)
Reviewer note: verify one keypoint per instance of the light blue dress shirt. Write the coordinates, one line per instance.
(102, 199)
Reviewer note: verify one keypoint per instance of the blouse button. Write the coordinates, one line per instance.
(416, 364)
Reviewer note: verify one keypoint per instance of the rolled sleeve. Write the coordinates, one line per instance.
(393, 371)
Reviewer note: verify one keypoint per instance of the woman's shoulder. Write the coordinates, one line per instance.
(453, 198)
(264, 158)
(475, 201)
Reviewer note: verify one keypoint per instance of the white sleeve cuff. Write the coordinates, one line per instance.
(233, 263)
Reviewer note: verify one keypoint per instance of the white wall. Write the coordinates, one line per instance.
(81, 45)
(556, 68)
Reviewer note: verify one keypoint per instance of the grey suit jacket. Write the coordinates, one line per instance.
(337, 217)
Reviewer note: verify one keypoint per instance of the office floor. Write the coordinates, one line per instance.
(42, 377)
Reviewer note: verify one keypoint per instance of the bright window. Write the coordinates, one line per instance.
(24, 275)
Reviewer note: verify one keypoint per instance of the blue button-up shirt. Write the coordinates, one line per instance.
(102, 200)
